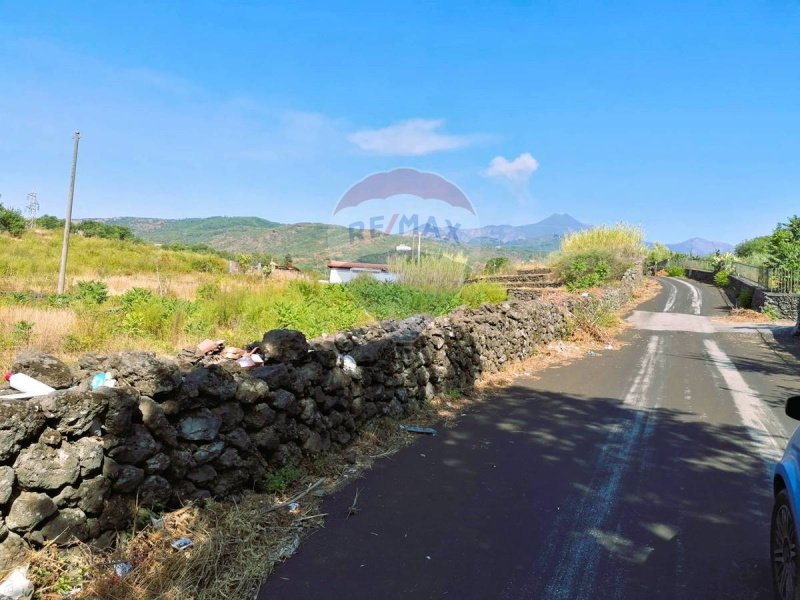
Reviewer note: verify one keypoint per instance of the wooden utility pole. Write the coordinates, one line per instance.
(62, 272)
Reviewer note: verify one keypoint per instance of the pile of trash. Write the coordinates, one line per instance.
(209, 352)
(23, 386)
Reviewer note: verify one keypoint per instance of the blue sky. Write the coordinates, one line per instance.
(683, 117)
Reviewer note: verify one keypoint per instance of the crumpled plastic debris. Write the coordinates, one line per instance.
(609, 347)
(157, 522)
(182, 543)
(17, 586)
(250, 359)
(122, 569)
(417, 429)
(294, 507)
(349, 364)
(246, 362)
(209, 346)
(592, 353)
(289, 549)
(103, 380)
(232, 353)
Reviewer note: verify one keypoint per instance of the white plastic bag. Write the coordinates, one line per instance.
(17, 586)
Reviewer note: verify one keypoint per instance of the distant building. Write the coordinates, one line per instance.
(342, 272)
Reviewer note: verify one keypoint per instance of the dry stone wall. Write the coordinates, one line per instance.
(73, 463)
(785, 306)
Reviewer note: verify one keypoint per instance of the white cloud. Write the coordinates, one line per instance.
(516, 171)
(414, 137)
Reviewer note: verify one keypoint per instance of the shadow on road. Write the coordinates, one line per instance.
(491, 509)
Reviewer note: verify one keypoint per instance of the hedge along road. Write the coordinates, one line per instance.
(641, 473)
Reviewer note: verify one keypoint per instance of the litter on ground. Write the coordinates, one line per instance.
(17, 586)
(182, 544)
(416, 429)
(103, 380)
(122, 569)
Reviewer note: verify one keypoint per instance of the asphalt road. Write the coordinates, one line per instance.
(644, 472)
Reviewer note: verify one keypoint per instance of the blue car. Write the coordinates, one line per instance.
(784, 533)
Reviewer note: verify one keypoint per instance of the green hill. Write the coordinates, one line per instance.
(192, 231)
(311, 245)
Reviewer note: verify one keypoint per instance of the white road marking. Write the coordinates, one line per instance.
(576, 567)
(659, 321)
(673, 295)
(765, 430)
(697, 298)
(653, 321)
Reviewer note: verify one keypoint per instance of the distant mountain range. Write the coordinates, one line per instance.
(700, 247)
(542, 233)
(312, 244)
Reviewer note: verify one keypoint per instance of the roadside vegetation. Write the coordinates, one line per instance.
(237, 544)
(125, 294)
(599, 255)
(435, 272)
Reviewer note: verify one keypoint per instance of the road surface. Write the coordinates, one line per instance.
(641, 473)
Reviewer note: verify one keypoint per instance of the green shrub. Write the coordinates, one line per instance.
(586, 269)
(103, 230)
(676, 271)
(722, 279)
(722, 262)
(479, 292)
(74, 342)
(597, 255)
(658, 253)
(11, 221)
(280, 480)
(22, 333)
(57, 300)
(18, 298)
(770, 312)
(208, 291)
(49, 222)
(744, 298)
(394, 300)
(497, 264)
(135, 296)
(92, 292)
(591, 314)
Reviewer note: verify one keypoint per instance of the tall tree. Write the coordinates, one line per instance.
(784, 245)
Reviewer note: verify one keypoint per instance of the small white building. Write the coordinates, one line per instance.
(342, 272)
